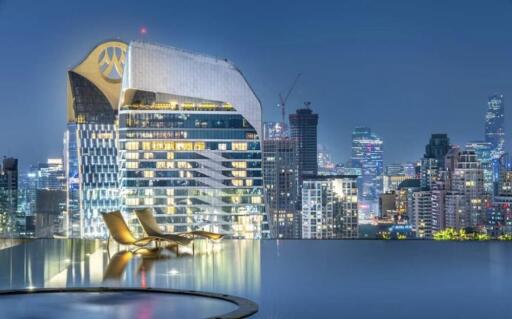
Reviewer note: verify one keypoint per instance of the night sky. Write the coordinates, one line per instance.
(405, 68)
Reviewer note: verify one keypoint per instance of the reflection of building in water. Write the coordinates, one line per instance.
(51, 263)
(231, 267)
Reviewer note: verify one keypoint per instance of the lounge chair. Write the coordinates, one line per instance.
(119, 230)
(151, 227)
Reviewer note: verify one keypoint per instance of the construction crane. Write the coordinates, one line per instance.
(283, 100)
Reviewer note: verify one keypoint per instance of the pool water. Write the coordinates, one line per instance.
(290, 279)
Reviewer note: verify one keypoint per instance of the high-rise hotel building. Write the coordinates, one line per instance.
(189, 143)
(90, 139)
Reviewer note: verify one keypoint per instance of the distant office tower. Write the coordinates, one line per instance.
(467, 196)
(90, 139)
(280, 180)
(484, 153)
(329, 207)
(27, 199)
(495, 130)
(394, 169)
(495, 124)
(189, 138)
(325, 163)
(437, 148)
(367, 154)
(387, 205)
(273, 130)
(422, 214)
(303, 128)
(51, 175)
(500, 214)
(50, 202)
(433, 160)
(9, 221)
(404, 204)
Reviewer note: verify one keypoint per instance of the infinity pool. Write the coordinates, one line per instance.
(289, 279)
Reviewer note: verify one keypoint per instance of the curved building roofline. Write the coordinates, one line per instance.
(165, 69)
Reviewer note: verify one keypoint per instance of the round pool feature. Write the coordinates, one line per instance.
(122, 303)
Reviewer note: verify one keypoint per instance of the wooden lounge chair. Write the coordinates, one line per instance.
(118, 229)
(151, 227)
(121, 233)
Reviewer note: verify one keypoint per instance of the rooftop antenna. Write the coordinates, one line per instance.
(283, 100)
(307, 104)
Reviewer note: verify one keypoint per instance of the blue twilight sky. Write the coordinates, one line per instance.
(405, 68)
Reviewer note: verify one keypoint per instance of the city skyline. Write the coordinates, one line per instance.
(394, 110)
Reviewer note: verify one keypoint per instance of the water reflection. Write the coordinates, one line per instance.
(231, 267)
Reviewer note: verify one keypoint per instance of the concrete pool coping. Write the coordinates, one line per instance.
(245, 309)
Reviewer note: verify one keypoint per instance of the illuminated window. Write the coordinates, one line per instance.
(161, 164)
(132, 165)
(149, 174)
(240, 173)
(157, 146)
(132, 201)
(184, 165)
(239, 164)
(146, 146)
(184, 146)
(131, 155)
(239, 146)
(199, 146)
(256, 200)
(237, 182)
(170, 155)
(222, 147)
(148, 155)
(148, 201)
(248, 182)
(132, 146)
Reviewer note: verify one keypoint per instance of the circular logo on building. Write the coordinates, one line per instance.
(111, 62)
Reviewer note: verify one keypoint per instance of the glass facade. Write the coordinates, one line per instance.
(367, 155)
(196, 163)
(329, 207)
(92, 178)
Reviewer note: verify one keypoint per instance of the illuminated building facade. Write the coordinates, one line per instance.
(9, 222)
(90, 139)
(274, 130)
(280, 180)
(367, 154)
(484, 154)
(495, 130)
(50, 199)
(329, 207)
(468, 183)
(303, 129)
(189, 143)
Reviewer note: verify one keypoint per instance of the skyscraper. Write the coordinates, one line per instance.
(495, 124)
(190, 143)
(281, 186)
(467, 189)
(9, 197)
(484, 153)
(495, 130)
(50, 201)
(433, 160)
(367, 154)
(90, 139)
(303, 129)
(329, 207)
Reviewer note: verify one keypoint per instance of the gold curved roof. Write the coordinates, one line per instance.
(103, 66)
